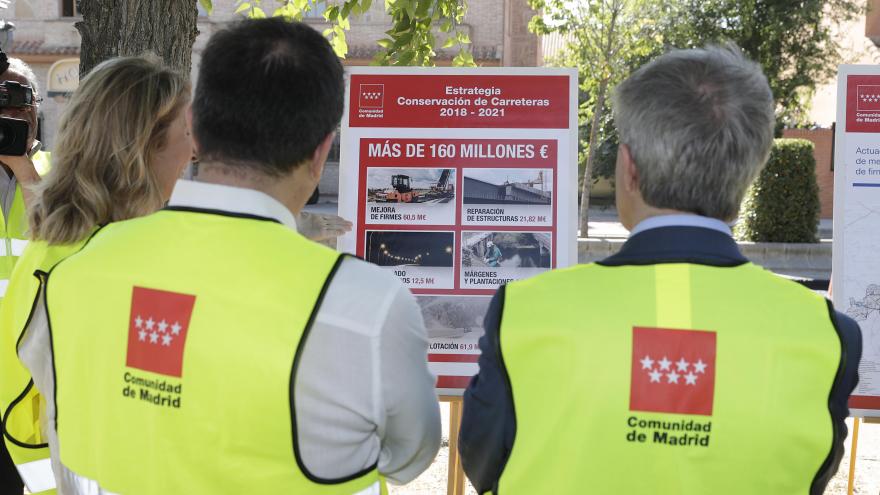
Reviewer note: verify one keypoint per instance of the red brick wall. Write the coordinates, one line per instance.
(823, 140)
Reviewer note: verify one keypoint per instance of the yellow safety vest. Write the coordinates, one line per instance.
(669, 378)
(175, 341)
(20, 403)
(13, 227)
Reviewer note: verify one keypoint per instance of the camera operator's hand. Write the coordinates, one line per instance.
(25, 173)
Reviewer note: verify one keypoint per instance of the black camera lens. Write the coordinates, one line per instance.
(13, 136)
(7, 137)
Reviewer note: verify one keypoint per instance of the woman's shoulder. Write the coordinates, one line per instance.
(42, 256)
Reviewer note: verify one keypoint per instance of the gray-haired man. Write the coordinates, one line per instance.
(15, 172)
(676, 365)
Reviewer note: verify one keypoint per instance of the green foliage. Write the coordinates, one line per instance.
(606, 40)
(793, 45)
(782, 205)
(208, 5)
(410, 41)
(792, 41)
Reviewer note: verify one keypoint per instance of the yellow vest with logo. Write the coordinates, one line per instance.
(597, 356)
(226, 424)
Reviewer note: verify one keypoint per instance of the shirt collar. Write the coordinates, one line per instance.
(681, 220)
(232, 199)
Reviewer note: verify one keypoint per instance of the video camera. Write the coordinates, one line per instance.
(13, 132)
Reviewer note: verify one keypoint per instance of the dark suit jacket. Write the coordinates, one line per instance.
(488, 425)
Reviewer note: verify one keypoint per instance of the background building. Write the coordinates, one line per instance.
(45, 37)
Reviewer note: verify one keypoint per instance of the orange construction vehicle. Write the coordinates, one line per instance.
(402, 192)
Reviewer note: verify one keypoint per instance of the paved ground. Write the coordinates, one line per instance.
(433, 480)
(867, 480)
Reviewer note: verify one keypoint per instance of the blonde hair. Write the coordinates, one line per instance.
(115, 123)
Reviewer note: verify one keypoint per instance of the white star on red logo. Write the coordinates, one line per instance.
(664, 363)
(674, 374)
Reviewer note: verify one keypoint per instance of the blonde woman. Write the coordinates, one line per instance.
(122, 143)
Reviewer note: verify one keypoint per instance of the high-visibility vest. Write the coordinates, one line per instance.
(13, 226)
(176, 339)
(21, 426)
(668, 378)
(21, 403)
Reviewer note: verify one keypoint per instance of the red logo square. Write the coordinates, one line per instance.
(157, 330)
(868, 98)
(673, 371)
(372, 96)
(863, 103)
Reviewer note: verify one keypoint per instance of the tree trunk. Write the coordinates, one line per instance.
(112, 28)
(591, 157)
(607, 53)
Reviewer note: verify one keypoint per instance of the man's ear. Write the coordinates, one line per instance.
(188, 115)
(630, 171)
(316, 167)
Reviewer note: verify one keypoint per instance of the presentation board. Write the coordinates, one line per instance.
(459, 181)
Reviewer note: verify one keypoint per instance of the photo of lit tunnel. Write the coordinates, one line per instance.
(396, 248)
(506, 249)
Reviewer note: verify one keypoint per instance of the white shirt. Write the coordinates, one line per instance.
(681, 220)
(7, 191)
(8, 184)
(363, 390)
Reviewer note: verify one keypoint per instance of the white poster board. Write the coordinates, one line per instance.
(458, 181)
(856, 258)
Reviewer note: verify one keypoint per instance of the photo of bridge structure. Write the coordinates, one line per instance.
(507, 186)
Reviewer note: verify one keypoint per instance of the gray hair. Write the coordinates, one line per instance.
(18, 66)
(699, 124)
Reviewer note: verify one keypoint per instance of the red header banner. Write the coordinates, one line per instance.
(524, 102)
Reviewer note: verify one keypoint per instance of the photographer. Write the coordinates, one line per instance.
(22, 105)
(20, 102)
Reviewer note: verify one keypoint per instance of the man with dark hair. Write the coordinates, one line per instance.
(675, 366)
(237, 356)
